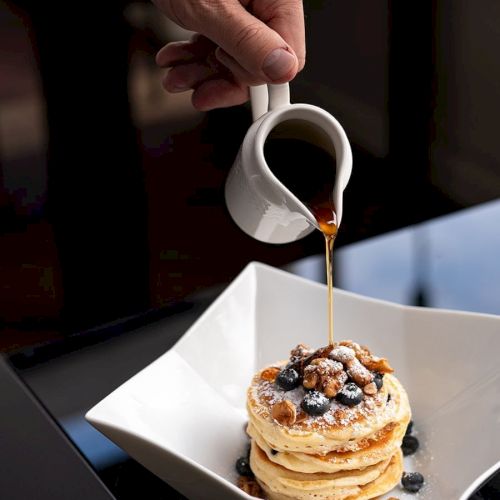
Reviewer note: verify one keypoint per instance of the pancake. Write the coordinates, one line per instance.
(341, 428)
(327, 425)
(385, 482)
(273, 474)
(379, 447)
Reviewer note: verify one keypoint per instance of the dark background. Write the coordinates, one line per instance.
(111, 191)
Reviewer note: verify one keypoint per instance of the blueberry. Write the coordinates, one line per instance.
(410, 445)
(412, 481)
(379, 380)
(315, 403)
(350, 395)
(409, 428)
(288, 379)
(243, 467)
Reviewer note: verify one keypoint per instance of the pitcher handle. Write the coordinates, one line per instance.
(265, 98)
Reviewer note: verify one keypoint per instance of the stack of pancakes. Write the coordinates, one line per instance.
(349, 452)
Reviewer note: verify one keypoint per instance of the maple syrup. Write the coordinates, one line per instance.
(308, 171)
(327, 222)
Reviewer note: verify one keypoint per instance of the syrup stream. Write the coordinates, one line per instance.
(286, 157)
(325, 215)
(329, 240)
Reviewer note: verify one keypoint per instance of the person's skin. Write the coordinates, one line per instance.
(237, 43)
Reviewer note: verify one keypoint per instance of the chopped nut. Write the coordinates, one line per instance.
(325, 366)
(377, 364)
(301, 416)
(325, 375)
(340, 379)
(367, 359)
(343, 354)
(319, 353)
(370, 389)
(250, 486)
(300, 351)
(284, 413)
(310, 380)
(351, 344)
(270, 374)
(331, 387)
(361, 352)
(361, 375)
(299, 357)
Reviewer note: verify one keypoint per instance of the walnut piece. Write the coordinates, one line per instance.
(360, 351)
(367, 359)
(331, 387)
(370, 389)
(310, 380)
(325, 366)
(322, 352)
(270, 374)
(377, 364)
(361, 375)
(324, 375)
(301, 416)
(300, 351)
(250, 486)
(284, 413)
(343, 354)
(299, 357)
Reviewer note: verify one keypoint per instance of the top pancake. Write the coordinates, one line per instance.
(341, 428)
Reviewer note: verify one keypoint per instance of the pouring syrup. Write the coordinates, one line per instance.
(309, 172)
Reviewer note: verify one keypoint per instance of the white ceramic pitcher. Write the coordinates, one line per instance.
(258, 202)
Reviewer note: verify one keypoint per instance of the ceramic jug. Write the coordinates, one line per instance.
(258, 202)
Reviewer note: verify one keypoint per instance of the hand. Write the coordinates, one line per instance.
(238, 43)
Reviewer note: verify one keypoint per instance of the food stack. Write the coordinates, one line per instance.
(328, 424)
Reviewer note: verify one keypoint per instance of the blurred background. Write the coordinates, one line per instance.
(111, 190)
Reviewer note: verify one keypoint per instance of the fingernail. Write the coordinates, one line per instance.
(173, 86)
(179, 87)
(278, 64)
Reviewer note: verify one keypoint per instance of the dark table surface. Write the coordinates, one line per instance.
(451, 262)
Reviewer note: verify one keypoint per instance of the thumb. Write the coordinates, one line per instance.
(255, 46)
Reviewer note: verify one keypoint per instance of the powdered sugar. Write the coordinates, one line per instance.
(271, 394)
(342, 354)
(324, 366)
(267, 394)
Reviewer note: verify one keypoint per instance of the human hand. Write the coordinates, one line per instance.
(238, 43)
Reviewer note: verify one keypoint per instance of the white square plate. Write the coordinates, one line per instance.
(183, 416)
